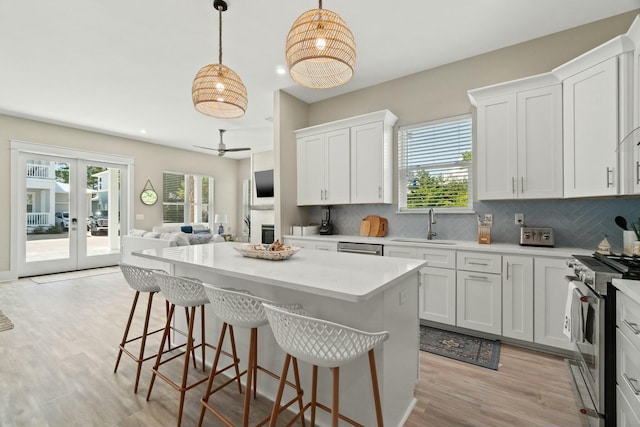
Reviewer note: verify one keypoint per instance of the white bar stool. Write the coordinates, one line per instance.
(238, 308)
(187, 293)
(327, 344)
(140, 280)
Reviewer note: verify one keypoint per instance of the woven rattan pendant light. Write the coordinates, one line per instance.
(320, 49)
(217, 90)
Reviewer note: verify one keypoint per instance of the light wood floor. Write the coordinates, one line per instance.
(56, 370)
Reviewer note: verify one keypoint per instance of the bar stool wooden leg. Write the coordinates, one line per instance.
(167, 328)
(250, 374)
(202, 337)
(314, 394)
(255, 366)
(143, 342)
(126, 330)
(193, 352)
(185, 371)
(335, 410)
(235, 356)
(374, 385)
(276, 403)
(296, 376)
(212, 375)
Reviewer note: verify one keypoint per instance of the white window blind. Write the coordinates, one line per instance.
(187, 199)
(434, 165)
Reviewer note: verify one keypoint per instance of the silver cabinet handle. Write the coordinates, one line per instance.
(522, 184)
(358, 251)
(637, 172)
(631, 382)
(507, 271)
(632, 326)
(609, 172)
(471, 276)
(513, 184)
(477, 263)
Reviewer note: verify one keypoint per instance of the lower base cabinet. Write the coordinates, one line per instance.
(311, 244)
(517, 297)
(479, 301)
(438, 295)
(550, 297)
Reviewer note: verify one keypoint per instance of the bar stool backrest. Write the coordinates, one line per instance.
(317, 341)
(181, 291)
(139, 278)
(239, 307)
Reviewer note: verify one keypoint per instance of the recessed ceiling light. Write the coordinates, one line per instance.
(281, 70)
(143, 131)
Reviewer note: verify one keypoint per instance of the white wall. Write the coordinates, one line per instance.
(150, 162)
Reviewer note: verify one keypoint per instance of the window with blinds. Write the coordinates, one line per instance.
(187, 199)
(434, 165)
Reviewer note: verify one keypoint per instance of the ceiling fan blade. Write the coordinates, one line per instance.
(235, 149)
(206, 148)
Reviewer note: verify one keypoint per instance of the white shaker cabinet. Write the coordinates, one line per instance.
(323, 168)
(348, 161)
(479, 292)
(371, 180)
(517, 297)
(549, 298)
(591, 131)
(317, 245)
(519, 139)
(437, 293)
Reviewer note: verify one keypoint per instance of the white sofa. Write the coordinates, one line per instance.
(162, 237)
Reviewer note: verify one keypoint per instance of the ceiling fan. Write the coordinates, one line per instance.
(223, 148)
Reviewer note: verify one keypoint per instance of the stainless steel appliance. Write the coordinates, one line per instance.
(593, 332)
(536, 236)
(360, 248)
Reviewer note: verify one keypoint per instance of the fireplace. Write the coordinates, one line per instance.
(268, 231)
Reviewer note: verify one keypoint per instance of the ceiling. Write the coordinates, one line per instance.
(123, 66)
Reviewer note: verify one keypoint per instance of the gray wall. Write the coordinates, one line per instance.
(576, 223)
(442, 92)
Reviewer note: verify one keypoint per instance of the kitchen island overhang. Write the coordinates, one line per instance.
(365, 292)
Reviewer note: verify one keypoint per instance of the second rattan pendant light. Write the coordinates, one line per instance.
(217, 90)
(320, 49)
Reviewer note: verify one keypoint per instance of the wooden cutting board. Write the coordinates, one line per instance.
(374, 221)
(365, 227)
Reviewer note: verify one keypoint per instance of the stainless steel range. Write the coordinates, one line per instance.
(593, 331)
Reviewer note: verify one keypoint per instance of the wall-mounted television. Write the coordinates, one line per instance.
(264, 183)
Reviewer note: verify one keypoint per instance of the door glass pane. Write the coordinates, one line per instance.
(102, 205)
(47, 210)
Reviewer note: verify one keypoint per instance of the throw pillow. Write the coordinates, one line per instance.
(136, 232)
(152, 235)
(199, 238)
(186, 229)
(179, 238)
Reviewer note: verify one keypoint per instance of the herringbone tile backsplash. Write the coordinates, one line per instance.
(576, 223)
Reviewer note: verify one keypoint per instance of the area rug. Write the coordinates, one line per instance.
(58, 277)
(5, 323)
(478, 351)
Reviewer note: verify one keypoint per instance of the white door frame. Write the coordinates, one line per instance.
(18, 147)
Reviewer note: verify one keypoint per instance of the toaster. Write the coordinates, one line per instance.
(536, 236)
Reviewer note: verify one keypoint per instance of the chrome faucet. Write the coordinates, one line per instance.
(432, 220)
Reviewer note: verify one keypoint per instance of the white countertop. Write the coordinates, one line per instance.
(454, 245)
(343, 276)
(630, 288)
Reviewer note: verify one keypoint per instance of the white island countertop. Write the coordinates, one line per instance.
(343, 276)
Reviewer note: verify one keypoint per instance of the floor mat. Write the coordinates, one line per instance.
(478, 351)
(5, 323)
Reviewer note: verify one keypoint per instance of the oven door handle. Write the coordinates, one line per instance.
(632, 326)
(631, 382)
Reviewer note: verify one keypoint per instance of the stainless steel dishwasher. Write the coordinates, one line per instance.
(360, 248)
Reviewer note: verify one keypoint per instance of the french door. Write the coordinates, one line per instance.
(71, 212)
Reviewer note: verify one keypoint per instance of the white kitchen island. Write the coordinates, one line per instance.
(366, 292)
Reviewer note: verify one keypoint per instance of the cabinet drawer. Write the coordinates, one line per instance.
(437, 257)
(626, 417)
(628, 318)
(481, 262)
(628, 370)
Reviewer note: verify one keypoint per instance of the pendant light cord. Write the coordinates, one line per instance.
(220, 34)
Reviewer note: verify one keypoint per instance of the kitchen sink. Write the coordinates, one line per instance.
(425, 240)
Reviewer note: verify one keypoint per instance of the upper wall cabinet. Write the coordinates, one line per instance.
(630, 166)
(596, 115)
(346, 161)
(519, 139)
